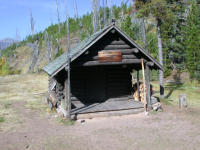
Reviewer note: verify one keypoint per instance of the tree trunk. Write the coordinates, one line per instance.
(161, 73)
(104, 13)
(58, 16)
(148, 97)
(68, 100)
(144, 33)
(111, 11)
(138, 85)
(35, 56)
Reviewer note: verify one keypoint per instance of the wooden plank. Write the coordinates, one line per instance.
(113, 47)
(144, 85)
(120, 42)
(113, 105)
(109, 56)
(138, 84)
(148, 85)
(129, 57)
(125, 51)
(97, 63)
(107, 113)
(124, 56)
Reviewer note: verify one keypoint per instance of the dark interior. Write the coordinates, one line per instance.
(98, 84)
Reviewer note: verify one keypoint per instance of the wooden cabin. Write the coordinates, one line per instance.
(100, 71)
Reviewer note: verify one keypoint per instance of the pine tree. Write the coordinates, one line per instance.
(129, 28)
(174, 54)
(192, 38)
(161, 12)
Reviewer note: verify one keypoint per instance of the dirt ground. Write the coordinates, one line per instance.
(26, 123)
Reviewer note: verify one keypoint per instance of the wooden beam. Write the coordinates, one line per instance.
(120, 42)
(66, 92)
(148, 85)
(129, 56)
(150, 63)
(144, 86)
(113, 47)
(138, 84)
(123, 57)
(97, 63)
(125, 51)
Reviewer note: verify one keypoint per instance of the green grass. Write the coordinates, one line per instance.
(172, 92)
(37, 104)
(166, 101)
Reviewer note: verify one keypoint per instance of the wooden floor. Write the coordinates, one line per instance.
(108, 106)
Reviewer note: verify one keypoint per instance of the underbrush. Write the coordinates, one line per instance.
(5, 68)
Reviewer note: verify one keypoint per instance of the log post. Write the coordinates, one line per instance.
(144, 86)
(138, 85)
(182, 101)
(68, 95)
(68, 92)
(148, 85)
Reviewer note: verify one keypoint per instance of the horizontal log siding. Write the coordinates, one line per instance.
(130, 55)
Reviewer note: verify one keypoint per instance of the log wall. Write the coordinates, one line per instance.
(93, 81)
(111, 42)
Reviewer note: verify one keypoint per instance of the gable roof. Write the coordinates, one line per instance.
(59, 63)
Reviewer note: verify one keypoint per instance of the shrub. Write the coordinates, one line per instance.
(5, 68)
(2, 119)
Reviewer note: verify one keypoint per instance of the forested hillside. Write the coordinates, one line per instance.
(168, 29)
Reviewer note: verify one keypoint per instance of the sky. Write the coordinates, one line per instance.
(15, 15)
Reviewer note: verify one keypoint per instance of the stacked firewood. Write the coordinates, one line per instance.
(141, 92)
(56, 92)
(59, 91)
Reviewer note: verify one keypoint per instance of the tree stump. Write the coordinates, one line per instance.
(182, 101)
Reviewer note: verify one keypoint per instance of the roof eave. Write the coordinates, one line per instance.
(84, 49)
(140, 48)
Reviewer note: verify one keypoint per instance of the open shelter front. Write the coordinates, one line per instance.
(101, 68)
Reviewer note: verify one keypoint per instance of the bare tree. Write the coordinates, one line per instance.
(57, 46)
(32, 23)
(94, 15)
(34, 45)
(75, 10)
(111, 12)
(68, 91)
(58, 16)
(18, 38)
(104, 12)
(144, 33)
(99, 15)
(160, 56)
(48, 42)
(35, 56)
(96, 22)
